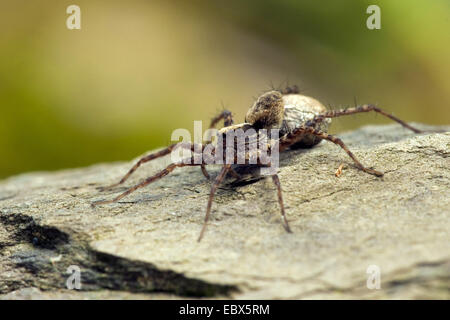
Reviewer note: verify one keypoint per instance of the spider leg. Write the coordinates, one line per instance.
(205, 172)
(359, 109)
(214, 186)
(290, 89)
(291, 138)
(227, 119)
(236, 175)
(161, 153)
(276, 181)
(147, 181)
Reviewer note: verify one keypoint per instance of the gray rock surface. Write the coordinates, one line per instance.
(145, 246)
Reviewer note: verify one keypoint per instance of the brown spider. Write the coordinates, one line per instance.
(302, 122)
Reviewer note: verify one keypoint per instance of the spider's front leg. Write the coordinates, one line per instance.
(294, 136)
(165, 172)
(185, 145)
(276, 181)
(214, 187)
(227, 121)
(149, 180)
(219, 179)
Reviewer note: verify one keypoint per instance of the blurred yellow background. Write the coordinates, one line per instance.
(137, 70)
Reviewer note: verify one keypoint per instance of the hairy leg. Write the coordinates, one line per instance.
(205, 172)
(161, 153)
(214, 187)
(227, 119)
(276, 181)
(291, 138)
(291, 90)
(360, 109)
(147, 181)
(236, 175)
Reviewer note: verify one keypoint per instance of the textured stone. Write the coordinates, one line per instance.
(145, 246)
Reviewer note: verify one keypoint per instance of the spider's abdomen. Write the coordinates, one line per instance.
(298, 109)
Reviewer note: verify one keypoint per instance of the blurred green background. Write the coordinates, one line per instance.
(137, 70)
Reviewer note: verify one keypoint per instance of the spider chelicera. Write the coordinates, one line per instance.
(302, 122)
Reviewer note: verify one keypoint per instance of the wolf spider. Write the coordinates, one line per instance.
(302, 121)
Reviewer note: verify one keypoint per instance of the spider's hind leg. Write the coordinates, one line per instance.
(360, 109)
(291, 138)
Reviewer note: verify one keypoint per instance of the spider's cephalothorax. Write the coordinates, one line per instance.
(302, 122)
(267, 112)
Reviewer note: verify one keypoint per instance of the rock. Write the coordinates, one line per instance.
(145, 246)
